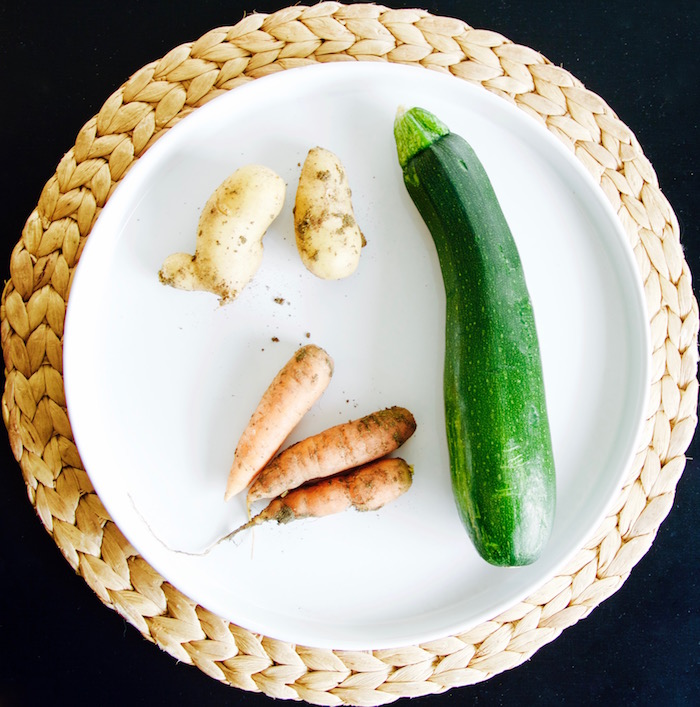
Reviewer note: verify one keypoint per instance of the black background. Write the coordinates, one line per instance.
(60, 62)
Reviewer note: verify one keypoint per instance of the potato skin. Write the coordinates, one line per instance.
(230, 232)
(327, 235)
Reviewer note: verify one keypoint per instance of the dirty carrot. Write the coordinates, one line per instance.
(334, 450)
(288, 398)
(367, 488)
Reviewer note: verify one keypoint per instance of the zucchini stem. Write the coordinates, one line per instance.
(416, 129)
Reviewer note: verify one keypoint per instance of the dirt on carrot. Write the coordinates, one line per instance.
(334, 450)
(367, 488)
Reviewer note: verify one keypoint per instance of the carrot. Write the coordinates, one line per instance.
(367, 488)
(287, 399)
(334, 450)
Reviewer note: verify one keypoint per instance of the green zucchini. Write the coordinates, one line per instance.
(497, 428)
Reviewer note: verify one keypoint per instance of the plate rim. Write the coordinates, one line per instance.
(162, 146)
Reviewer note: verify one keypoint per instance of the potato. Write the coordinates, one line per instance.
(229, 244)
(328, 237)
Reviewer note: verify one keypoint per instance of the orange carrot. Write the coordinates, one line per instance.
(366, 488)
(336, 449)
(288, 398)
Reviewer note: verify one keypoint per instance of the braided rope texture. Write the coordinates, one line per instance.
(34, 303)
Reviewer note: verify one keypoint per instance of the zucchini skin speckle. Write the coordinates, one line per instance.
(497, 428)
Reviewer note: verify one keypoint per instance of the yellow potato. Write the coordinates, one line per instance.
(327, 235)
(229, 244)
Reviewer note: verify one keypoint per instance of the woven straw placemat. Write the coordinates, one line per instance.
(34, 305)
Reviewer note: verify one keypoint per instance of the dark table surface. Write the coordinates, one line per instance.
(61, 61)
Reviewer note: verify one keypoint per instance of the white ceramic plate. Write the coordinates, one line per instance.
(161, 382)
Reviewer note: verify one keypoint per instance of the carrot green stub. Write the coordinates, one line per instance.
(497, 428)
